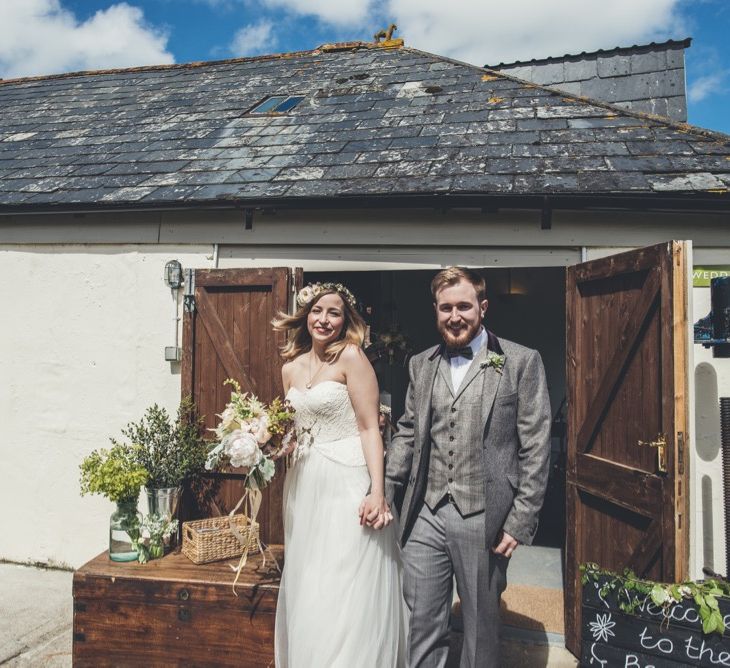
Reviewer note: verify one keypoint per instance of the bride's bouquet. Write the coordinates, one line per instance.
(253, 435)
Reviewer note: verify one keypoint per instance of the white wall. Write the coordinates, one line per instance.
(711, 381)
(82, 353)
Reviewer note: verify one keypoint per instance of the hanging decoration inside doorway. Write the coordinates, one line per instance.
(392, 346)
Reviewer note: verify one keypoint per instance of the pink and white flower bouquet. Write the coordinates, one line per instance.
(253, 435)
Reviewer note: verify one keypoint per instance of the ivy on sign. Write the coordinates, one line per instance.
(701, 275)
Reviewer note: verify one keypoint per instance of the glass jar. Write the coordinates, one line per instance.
(124, 531)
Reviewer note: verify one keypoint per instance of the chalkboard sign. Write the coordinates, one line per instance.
(646, 637)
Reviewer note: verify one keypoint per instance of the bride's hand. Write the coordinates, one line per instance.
(375, 512)
(286, 450)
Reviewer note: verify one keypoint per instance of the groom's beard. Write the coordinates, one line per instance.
(460, 338)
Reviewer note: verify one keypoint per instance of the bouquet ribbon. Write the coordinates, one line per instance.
(252, 497)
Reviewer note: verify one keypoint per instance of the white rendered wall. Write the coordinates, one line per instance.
(82, 339)
(711, 380)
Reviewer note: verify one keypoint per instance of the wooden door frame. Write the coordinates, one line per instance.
(672, 286)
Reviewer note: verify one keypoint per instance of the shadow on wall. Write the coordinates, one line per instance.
(708, 536)
(707, 418)
(707, 434)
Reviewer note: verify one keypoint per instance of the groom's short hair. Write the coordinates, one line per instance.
(452, 275)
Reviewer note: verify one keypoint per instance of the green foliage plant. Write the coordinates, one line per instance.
(631, 592)
(170, 451)
(113, 473)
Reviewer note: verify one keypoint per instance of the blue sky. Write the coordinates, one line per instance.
(47, 36)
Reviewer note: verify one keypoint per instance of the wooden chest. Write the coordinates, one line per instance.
(170, 612)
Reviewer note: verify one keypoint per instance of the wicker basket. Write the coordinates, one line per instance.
(212, 539)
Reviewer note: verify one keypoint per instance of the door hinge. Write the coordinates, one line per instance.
(189, 296)
(680, 452)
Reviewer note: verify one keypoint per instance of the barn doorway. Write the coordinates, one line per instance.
(526, 305)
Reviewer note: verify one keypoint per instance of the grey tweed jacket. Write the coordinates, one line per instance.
(513, 429)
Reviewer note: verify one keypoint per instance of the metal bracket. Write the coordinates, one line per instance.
(661, 451)
(680, 452)
(189, 296)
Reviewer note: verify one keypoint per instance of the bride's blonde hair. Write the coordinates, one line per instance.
(299, 339)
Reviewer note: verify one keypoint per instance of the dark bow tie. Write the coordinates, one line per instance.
(466, 351)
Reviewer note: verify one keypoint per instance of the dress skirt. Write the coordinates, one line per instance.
(340, 602)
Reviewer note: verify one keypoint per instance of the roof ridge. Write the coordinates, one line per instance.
(684, 43)
(176, 66)
(663, 120)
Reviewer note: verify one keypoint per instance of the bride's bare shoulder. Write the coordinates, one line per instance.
(352, 353)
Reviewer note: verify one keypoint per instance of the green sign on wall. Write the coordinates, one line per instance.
(701, 275)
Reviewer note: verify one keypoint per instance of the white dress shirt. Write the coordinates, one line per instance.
(460, 365)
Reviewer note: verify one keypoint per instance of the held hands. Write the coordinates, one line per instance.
(506, 544)
(375, 512)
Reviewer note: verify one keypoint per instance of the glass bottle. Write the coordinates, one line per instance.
(124, 531)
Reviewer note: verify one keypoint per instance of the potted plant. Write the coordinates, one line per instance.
(171, 451)
(631, 621)
(116, 474)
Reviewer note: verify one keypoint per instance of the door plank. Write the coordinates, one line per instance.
(647, 550)
(627, 487)
(217, 333)
(624, 347)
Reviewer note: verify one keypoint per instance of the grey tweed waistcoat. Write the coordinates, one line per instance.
(456, 464)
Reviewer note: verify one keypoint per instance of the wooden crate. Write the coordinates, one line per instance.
(170, 612)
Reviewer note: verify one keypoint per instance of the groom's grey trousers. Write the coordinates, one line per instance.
(443, 544)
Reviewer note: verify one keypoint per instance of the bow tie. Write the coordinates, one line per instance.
(466, 351)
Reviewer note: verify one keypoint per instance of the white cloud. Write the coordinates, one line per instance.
(254, 39)
(42, 37)
(707, 85)
(335, 12)
(489, 32)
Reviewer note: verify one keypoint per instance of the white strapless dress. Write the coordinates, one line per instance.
(340, 602)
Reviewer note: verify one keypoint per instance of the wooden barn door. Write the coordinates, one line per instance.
(627, 423)
(227, 333)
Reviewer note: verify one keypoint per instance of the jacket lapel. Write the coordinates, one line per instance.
(492, 378)
(424, 390)
(445, 371)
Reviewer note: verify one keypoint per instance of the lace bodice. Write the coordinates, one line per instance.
(324, 412)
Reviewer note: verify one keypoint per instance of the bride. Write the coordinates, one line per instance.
(340, 602)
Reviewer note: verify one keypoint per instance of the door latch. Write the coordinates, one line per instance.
(661, 451)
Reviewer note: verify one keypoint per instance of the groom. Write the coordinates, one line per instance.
(468, 468)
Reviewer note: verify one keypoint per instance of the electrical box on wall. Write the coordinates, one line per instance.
(173, 353)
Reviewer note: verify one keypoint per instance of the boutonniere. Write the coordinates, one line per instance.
(494, 360)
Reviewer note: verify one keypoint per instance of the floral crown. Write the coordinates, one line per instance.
(310, 291)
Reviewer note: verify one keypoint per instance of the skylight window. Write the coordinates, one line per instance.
(277, 104)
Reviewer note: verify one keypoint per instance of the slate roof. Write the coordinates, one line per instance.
(374, 122)
(615, 51)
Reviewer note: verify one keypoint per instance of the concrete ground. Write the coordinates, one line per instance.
(36, 620)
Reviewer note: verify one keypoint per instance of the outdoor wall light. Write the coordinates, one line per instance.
(173, 274)
(173, 277)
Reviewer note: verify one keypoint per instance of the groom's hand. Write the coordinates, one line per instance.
(506, 544)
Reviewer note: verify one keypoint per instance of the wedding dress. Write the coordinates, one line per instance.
(340, 602)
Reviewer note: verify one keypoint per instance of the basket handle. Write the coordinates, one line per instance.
(188, 531)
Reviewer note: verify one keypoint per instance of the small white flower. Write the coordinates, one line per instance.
(228, 418)
(262, 433)
(601, 628)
